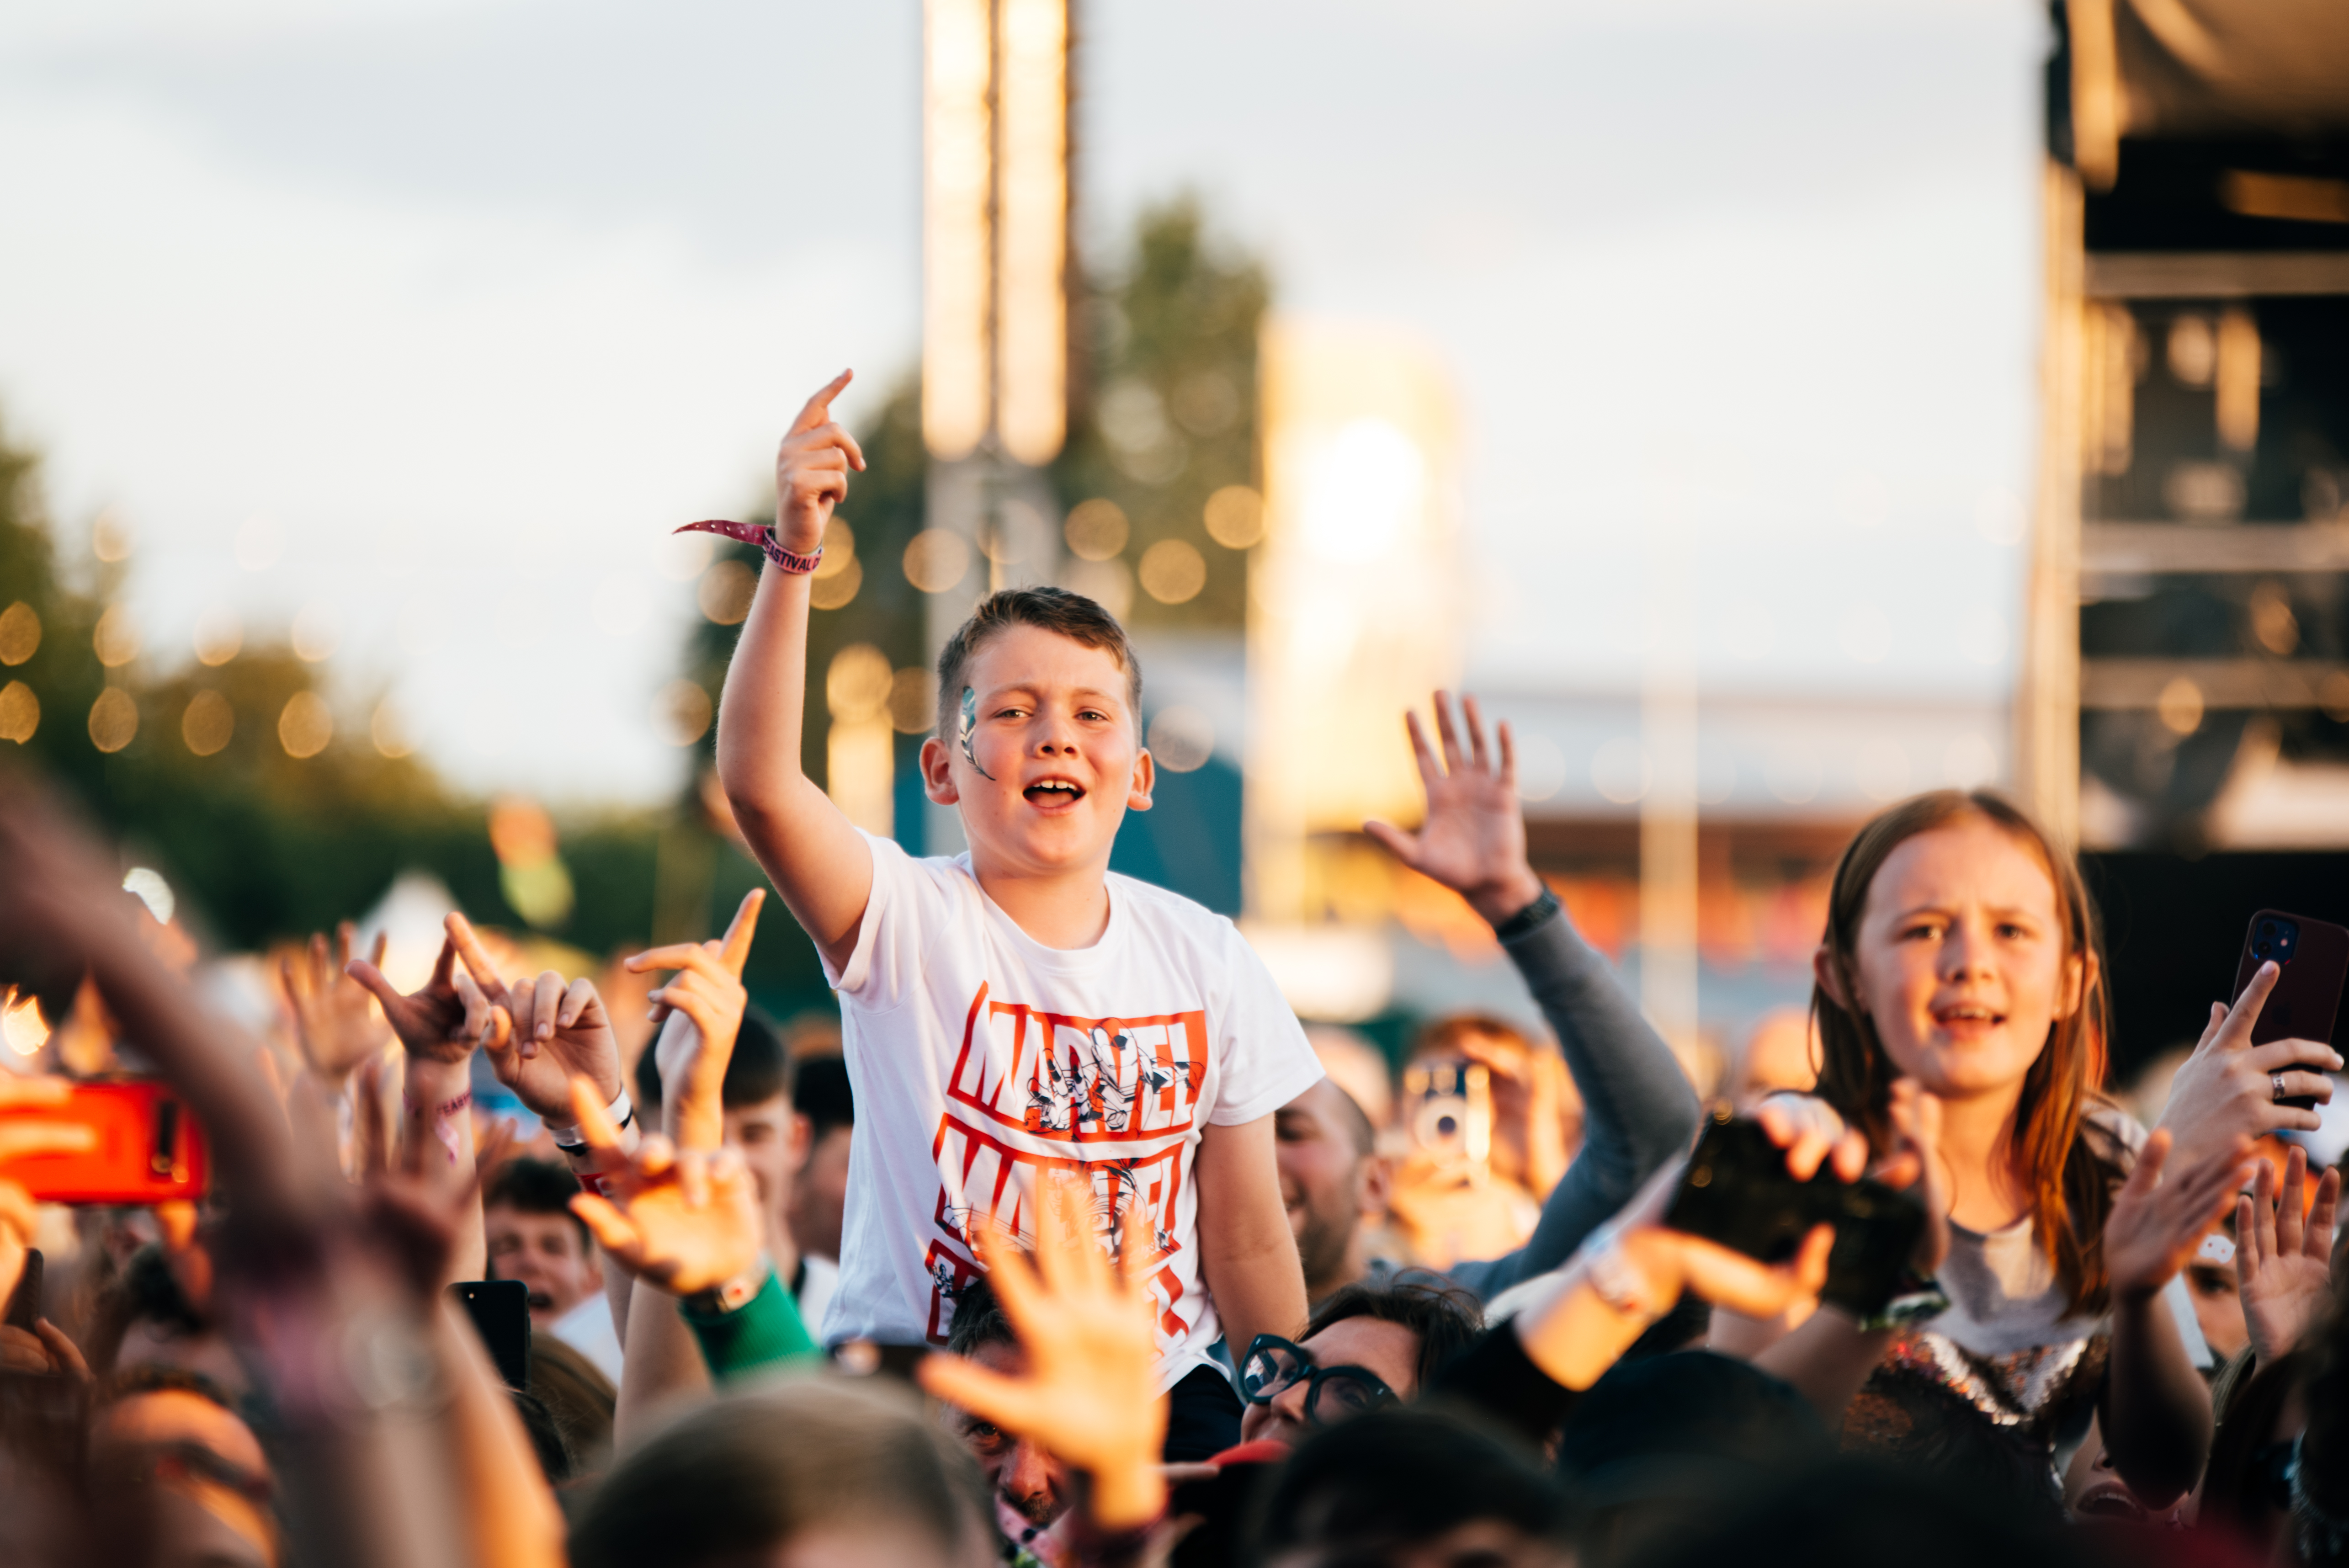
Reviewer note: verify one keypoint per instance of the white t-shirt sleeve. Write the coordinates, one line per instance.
(907, 906)
(1268, 1061)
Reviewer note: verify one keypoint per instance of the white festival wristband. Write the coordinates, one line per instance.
(621, 1112)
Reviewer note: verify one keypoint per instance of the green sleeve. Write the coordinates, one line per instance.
(766, 1331)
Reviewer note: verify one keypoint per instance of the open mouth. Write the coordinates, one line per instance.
(2109, 1499)
(539, 1301)
(1968, 1015)
(1053, 792)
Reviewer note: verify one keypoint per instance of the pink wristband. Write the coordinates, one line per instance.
(762, 535)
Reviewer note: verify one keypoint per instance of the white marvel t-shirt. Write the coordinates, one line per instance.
(979, 1057)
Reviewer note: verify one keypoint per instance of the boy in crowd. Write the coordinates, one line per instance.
(1017, 1011)
(533, 1237)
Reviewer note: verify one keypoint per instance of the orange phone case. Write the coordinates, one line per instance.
(149, 1148)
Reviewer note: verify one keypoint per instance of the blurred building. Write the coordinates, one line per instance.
(2187, 682)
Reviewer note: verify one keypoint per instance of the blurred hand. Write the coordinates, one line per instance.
(336, 1022)
(686, 1219)
(1090, 1391)
(45, 1351)
(2156, 1225)
(438, 1021)
(543, 1033)
(707, 1001)
(811, 470)
(1530, 1089)
(2283, 1254)
(2226, 1090)
(1473, 839)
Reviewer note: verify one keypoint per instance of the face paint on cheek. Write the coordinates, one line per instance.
(970, 724)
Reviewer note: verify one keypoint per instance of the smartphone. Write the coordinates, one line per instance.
(499, 1309)
(1448, 1106)
(24, 1301)
(1738, 1191)
(149, 1148)
(2312, 959)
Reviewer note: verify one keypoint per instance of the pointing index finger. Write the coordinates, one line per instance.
(818, 408)
(737, 949)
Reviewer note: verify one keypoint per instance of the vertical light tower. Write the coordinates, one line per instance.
(995, 329)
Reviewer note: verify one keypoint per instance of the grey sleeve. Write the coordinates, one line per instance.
(1638, 1107)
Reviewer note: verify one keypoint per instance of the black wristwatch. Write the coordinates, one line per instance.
(1528, 918)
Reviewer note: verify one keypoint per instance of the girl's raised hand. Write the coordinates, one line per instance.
(2231, 1089)
(2156, 1222)
(2283, 1253)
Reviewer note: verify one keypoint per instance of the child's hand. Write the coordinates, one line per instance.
(707, 1001)
(2156, 1225)
(2283, 1256)
(685, 1220)
(1091, 1393)
(336, 1024)
(2231, 1089)
(811, 470)
(1473, 838)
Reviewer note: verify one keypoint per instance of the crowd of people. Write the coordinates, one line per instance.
(1070, 1245)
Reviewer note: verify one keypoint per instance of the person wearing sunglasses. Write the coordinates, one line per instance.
(1370, 1345)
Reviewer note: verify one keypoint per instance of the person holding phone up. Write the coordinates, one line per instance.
(1962, 1014)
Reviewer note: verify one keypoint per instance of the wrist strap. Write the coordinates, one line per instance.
(1528, 918)
(623, 1114)
(725, 1300)
(764, 536)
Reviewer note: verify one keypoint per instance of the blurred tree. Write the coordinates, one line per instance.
(1170, 417)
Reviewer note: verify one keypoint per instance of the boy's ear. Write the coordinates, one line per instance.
(1145, 779)
(937, 773)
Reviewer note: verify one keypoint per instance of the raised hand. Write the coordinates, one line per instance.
(2283, 1257)
(559, 1031)
(1090, 1392)
(437, 1022)
(2228, 1088)
(336, 1023)
(706, 1001)
(812, 470)
(2155, 1224)
(685, 1220)
(1473, 838)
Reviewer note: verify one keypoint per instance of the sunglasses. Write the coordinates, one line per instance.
(1273, 1365)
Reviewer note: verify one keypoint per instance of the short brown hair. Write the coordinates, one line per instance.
(1073, 615)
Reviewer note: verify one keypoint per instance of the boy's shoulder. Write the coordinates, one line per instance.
(1166, 910)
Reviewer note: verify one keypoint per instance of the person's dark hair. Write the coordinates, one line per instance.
(821, 1092)
(1445, 1317)
(1073, 615)
(556, 1461)
(742, 1475)
(1396, 1478)
(579, 1397)
(755, 1073)
(1661, 1445)
(529, 1186)
(144, 1292)
(978, 1320)
(2069, 1177)
(1861, 1515)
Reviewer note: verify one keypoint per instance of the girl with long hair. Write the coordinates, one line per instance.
(1962, 1019)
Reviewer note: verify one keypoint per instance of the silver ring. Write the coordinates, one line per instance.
(2278, 1082)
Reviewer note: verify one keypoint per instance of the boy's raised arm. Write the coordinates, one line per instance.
(821, 867)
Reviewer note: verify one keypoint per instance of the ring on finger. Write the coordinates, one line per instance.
(2277, 1083)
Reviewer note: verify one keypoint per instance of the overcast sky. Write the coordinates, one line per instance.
(431, 318)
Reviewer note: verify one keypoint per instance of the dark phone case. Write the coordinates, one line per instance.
(1738, 1193)
(499, 1309)
(2307, 994)
(25, 1302)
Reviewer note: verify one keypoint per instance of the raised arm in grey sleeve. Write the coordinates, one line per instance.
(1638, 1109)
